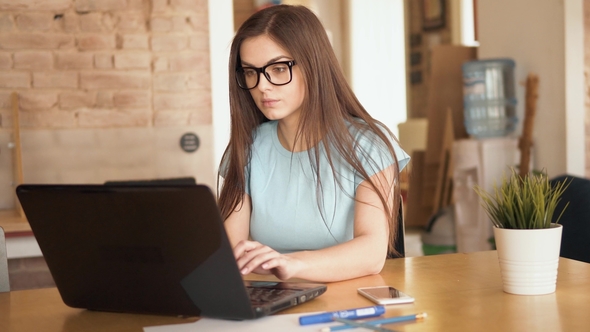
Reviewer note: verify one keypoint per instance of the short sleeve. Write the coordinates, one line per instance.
(224, 165)
(375, 156)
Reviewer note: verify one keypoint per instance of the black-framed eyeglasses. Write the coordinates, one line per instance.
(277, 73)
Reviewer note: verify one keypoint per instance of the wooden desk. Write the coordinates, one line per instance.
(460, 292)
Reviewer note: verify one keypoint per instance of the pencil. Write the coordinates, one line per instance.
(352, 324)
(369, 324)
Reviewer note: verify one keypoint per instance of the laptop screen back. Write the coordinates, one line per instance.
(136, 248)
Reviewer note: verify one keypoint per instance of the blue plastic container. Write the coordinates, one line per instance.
(488, 97)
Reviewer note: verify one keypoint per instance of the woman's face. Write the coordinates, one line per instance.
(275, 102)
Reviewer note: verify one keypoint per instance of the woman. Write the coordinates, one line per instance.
(309, 177)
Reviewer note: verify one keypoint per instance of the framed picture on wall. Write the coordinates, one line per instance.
(433, 14)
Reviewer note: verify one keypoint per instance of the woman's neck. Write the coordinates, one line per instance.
(287, 132)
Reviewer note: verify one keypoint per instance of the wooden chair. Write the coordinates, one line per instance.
(4, 282)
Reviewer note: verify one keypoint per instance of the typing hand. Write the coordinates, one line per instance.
(255, 257)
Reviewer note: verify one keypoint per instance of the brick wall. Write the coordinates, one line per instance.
(89, 70)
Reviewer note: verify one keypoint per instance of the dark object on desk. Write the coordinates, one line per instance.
(575, 238)
(157, 249)
(189, 180)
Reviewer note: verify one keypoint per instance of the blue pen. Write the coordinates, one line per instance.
(348, 314)
(369, 324)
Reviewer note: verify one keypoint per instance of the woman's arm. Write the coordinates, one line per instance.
(365, 254)
(237, 225)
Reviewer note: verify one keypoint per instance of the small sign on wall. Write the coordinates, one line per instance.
(189, 142)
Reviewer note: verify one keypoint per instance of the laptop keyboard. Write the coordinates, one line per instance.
(261, 295)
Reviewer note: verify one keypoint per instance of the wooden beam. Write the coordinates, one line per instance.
(526, 140)
(18, 163)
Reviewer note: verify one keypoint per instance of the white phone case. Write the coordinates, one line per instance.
(385, 295)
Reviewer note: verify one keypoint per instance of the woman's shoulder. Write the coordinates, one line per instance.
(360, 130)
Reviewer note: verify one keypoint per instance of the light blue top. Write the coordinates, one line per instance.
(282, 187)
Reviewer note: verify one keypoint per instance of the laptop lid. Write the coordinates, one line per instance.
(187, 180)
(146, 249)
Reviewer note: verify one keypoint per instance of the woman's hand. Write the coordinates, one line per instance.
(255, 257)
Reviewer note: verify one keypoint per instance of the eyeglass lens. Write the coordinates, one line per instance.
(278, 73)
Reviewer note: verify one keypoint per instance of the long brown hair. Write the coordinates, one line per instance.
(328, 108)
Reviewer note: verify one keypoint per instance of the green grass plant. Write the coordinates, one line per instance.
(523, 203)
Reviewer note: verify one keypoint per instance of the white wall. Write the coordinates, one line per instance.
(221, 32)
(575, 88)
(544, 37)
(377, 58)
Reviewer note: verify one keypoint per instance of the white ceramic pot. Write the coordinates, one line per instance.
(529, 259)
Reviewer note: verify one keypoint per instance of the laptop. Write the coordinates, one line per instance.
(159, 249)
(188, 180)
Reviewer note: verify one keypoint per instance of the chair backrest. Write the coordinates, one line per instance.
(4, 282)
(575, 238)
(400, 243)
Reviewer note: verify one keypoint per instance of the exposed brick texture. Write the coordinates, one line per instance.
(133, 60)
(56, 79)
(115, 80)
(131, 99)
(6, 24)
(96, 42)
(92, 22)
(21, 41)
(5, 60)
(74, 60)
(33, 60)
(77, 99)
(15, 79)
(34, 21)
(134, 73)
(133, 23)
(169, 43)
(103, 61)
(161, 24)
(149, 52)
(137, 42)
(83, 6)
(46, 5)
(37, 100)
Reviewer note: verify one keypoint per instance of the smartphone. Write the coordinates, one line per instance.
(385, 295)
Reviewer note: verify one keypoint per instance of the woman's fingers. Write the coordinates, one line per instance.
(250, 255)
(243, 247)
(254, 259)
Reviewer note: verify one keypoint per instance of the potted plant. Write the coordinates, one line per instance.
(527, 240)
